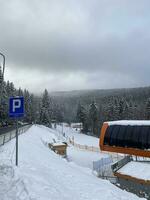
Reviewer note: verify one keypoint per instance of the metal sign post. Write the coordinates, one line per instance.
(16, 110)
(16, 142)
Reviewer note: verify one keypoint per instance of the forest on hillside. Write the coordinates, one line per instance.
(91, 107)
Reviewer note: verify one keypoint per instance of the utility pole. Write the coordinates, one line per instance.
(1, 80)
(3, 63)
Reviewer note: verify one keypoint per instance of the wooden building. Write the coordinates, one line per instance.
(127, 137)
(59, 148)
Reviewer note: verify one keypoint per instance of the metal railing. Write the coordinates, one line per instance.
(119, 164)
(8, 133)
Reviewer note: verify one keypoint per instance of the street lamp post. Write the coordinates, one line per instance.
(1, 80)
(3, 70)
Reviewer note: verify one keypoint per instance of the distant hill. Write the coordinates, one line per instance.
(134, 98)
(101, 92)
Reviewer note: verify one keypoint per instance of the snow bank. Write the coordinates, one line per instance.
(46, 175)
(136, 169)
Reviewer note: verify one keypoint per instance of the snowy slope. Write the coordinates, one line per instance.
(79, 138)
(43, 175)
(81, 157)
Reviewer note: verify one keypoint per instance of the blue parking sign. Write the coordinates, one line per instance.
(16, 107)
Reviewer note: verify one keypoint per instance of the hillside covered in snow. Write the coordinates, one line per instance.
(43, 175)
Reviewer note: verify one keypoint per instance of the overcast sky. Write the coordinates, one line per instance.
(76, 44)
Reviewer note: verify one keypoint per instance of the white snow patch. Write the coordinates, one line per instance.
(136, 169)
(84, 158)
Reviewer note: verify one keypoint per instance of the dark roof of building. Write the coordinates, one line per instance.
(132, 136)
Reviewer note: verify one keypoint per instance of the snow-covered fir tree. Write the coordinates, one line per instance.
(147, 110)
(45, 110)
(82, 117)
(57, 112)
(93, 116)
(3, 105)
(20, 92)
(111, 110)
(1, 76)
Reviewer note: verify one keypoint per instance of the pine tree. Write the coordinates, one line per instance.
(57, 112)
(131, 110)
(32, 109)
(20, 92)
(3, 108)
(93, 114)
(80, 113)
(110, 110)
(26, 104)
(147, 110)
(121, 108)
(45, 114)
(1, 76)
(82, 117)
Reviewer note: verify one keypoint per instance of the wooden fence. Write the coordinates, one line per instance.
(84, 147)
(114, 156)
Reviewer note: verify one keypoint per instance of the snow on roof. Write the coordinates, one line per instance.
(136, 169)
(59, 144)
(130, 122)
(76, 123)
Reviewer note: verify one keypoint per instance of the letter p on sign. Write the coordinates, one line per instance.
(16, 107)
(16, 104)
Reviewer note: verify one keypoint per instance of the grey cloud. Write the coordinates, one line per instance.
(67, 37)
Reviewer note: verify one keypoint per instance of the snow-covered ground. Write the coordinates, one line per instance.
(79, 138)
(82, 157)
(43, 175)
(136, 169)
